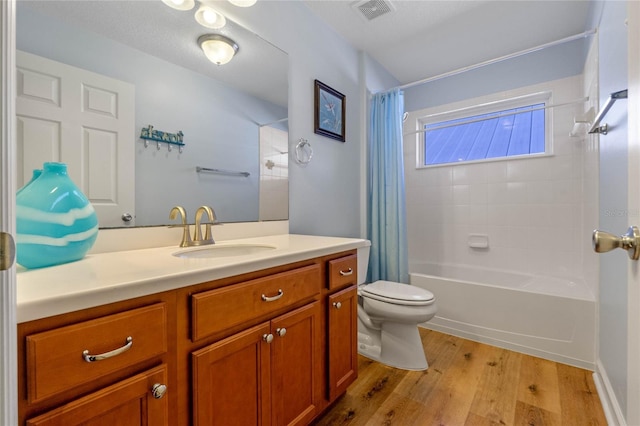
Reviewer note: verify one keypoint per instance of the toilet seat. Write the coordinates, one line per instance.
(396, 293)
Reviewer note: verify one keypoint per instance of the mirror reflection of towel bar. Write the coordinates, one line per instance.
(221, 171)
(597, 128)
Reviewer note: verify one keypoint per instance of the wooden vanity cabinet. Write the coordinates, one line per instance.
(270, 347)
(111, 364)
(266, 375)
(269, 372)
(342, 325)
(128, 402)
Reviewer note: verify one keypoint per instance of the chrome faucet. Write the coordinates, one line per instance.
(208, 238)
(186, 236)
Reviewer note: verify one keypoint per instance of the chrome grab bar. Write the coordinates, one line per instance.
(221, 171)
(596, 127)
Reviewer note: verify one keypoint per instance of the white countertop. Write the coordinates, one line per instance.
(110, 277)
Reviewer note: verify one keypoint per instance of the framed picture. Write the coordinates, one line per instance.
(329, 109)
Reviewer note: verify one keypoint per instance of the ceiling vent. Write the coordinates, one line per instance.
(372, 9)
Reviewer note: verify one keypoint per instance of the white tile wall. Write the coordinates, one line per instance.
(274, 174)
(590, 176)
(533, 210)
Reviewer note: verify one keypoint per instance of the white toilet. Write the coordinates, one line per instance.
(388, 318)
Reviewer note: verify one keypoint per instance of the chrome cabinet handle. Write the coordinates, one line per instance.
(273, 298)
(281, 331)
(267, 337)
(337, 305)
(158, 390)
(347, 272)
(92, 358)
(604, 242)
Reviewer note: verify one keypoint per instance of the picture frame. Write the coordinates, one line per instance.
(329, 112)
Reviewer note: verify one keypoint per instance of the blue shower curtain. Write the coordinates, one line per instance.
(387, 225)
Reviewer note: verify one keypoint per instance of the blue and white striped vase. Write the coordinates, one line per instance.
(35, 175)
(55, 222)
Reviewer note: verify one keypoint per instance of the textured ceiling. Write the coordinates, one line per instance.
(421, 39)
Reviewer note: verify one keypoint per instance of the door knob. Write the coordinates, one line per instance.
(7, 251)
(604, 242)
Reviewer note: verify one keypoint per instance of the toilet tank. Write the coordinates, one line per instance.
(363, 262)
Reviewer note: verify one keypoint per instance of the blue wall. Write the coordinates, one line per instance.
(553, 63)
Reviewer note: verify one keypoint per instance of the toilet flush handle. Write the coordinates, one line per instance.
(604, 242)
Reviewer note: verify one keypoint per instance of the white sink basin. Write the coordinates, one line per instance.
(226, 250)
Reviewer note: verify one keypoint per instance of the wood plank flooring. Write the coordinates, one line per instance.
(469, 383)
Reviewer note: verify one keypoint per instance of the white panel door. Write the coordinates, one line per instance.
(8, 329)
(633, 284)
(85, 120)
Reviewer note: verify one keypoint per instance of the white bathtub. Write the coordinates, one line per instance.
(542, 316)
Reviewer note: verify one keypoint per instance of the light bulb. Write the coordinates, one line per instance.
(210, 18)
(243, 3)
(180, 4)
(218, 48)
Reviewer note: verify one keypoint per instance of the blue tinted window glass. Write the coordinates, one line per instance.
(519, 131)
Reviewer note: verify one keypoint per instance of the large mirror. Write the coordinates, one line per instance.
(233, 116)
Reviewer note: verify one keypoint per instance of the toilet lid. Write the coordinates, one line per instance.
(398, 292)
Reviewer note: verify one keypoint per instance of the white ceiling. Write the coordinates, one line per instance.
(154, 28)
(419, 39)
(425, 38)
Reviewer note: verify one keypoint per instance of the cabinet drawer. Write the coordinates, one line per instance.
(343, 271)
(223, 308)
(128, 402)
(57, 359)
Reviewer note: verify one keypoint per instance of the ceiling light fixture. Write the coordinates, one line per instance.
(180, 4)
(218, 48)
(210, 18)
(243, 3)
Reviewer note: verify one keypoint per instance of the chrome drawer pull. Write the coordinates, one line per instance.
(92, 358)
(337, 305)
(272, 298)
(267, 337)
(347, 272)
(281, 332)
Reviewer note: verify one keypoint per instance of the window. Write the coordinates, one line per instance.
(484, 132)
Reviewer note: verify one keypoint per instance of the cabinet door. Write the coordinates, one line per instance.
(127, 403)
(297, 368)
(343, 340)
(231, 380)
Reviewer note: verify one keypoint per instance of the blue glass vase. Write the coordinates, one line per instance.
(35, 175)
(55, 222)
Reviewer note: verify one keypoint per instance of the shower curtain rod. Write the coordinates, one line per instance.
(523, 111)
(493, 61)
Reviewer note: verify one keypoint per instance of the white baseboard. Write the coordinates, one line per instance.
(610, 405)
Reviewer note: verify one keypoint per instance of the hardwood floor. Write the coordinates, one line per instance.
(469, 383)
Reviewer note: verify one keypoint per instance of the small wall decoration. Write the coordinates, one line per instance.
(150, 134)
(329, 112)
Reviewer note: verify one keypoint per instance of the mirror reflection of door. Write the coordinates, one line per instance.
(86, 120)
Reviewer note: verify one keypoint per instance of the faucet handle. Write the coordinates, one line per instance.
(186, 236)
(208, 237)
